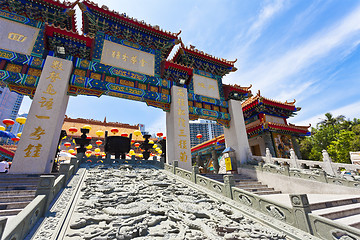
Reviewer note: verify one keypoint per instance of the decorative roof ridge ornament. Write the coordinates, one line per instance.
(65, 4)
(69, 31)
(291, 103)
(193, 49)
(131, 20)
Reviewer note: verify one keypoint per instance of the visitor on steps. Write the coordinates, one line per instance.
(4, 166)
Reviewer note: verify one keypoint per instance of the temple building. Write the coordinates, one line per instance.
(267, 126)
(95, 125)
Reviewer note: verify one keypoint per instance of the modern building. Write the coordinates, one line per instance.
(207, 128)
(9, 105)
(18, 128)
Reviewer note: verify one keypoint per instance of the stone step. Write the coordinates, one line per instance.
(8, 199)
(339, 211)
(19, 187)
(15, 193)
(256, 189)
(13, 205)
(9, 212)
(253, 185)
(335, 203)
(267, 192)
(5, 184)
(353, 221)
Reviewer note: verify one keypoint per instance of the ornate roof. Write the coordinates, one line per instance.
(192, 57)
(174, 71)
(50, 11)
(131, 22)
(220, 139)
(236, 92)
(257, 104)
(102, 123)
(277, 127)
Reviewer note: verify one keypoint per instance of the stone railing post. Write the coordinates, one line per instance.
(175, 165)
(133, 159)
(261, 166)
(323, 176)
(293, 159)
(229, 183)
(161, 163)
(286, 170)
(75, 162)
(194, 172)
(45, 187)
(2, 226)
(268, 157)
(80, 157)
(65, 170)
(327, 164)
(301, 210)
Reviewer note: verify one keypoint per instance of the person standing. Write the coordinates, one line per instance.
(4, 166)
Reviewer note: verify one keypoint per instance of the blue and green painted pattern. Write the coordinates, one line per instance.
(22, 59)
(209, 113)
(107, 87)
(18, 79)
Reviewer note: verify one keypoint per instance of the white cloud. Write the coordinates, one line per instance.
(272, 72)
(266, 14)
(349, 111)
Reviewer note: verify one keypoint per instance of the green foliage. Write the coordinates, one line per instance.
(340, 148)
(334, 134)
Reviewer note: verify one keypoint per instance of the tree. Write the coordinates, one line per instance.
(339, 149)
(336, 135)
(331, 121)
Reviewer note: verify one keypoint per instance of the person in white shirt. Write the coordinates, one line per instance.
(4, 166)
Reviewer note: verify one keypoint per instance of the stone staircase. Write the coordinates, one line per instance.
(16, 192)
(245, 183)
(345, 211)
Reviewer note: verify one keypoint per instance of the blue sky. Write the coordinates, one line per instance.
(303, 50)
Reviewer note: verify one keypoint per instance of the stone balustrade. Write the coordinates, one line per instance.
(298, 215)
(327, 165)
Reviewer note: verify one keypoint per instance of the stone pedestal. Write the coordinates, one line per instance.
(177, 129)
(37, 147)
(235, 135)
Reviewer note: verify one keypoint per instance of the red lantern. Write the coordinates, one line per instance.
(67, 144)
(114, 130)
(98, 142)
(15, 139)
(73, 130)
(88, 137)
(137, 144)
(199, 136)
(8, 122)
(124, 135)
(164, 138)
(159, 134)
(132, 140)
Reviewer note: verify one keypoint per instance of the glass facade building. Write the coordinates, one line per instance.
(9, 104)
(208, 129)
